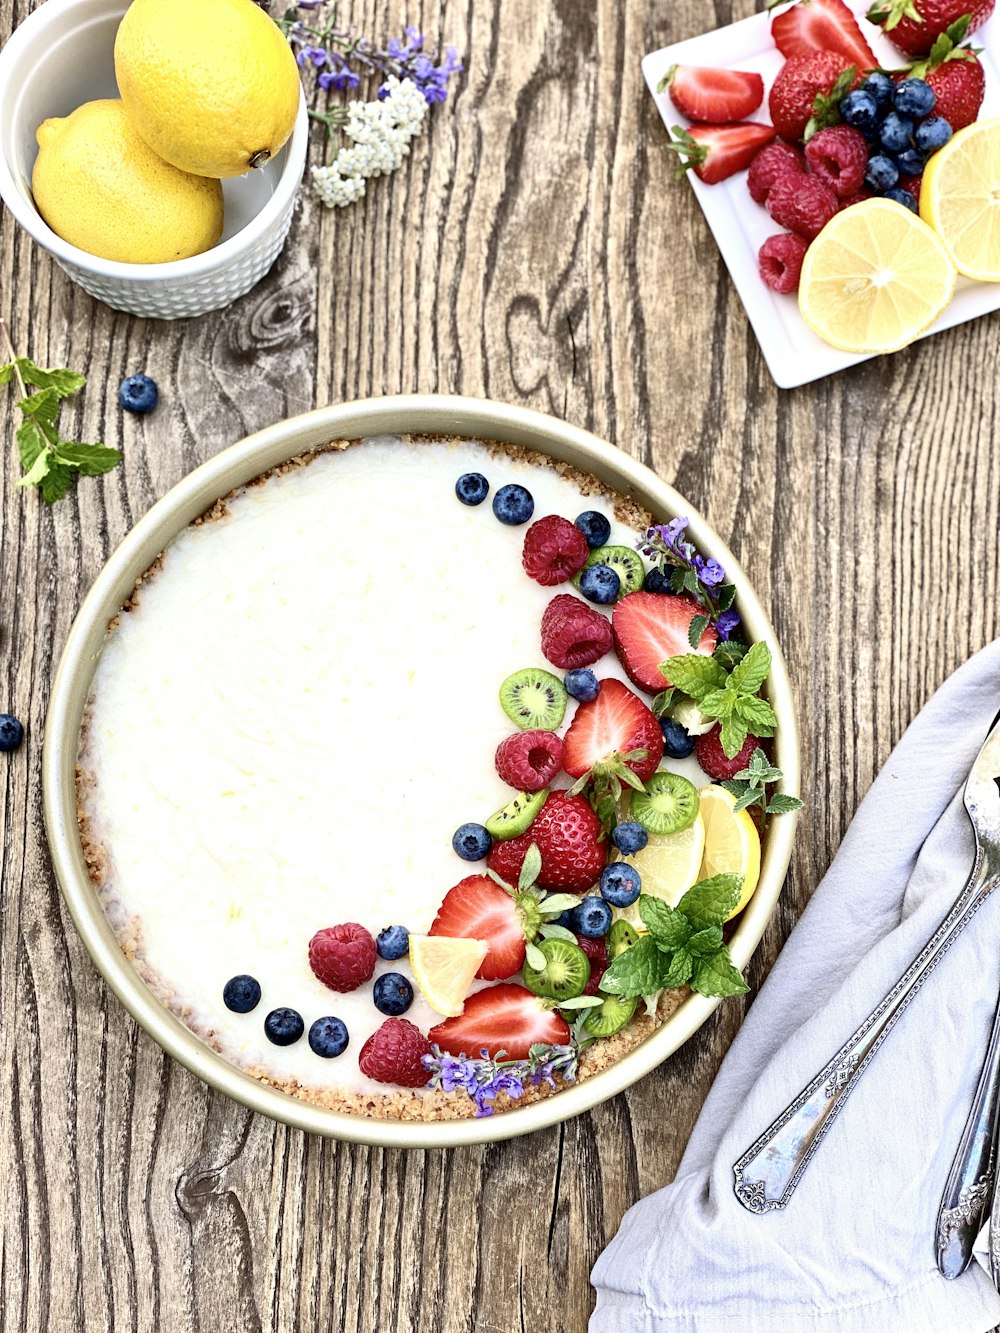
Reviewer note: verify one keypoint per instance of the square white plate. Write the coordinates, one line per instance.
(794, 354)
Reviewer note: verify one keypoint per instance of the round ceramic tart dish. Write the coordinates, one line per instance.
(281, 703)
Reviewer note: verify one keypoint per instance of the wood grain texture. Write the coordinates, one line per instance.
(535, 249)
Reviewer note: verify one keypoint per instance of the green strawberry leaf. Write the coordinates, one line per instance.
(638, 971)
(550, 931)
(581, 1002)
(710, 901)
(530, 868)
(668, 928)
(559, 902)
(534, 957)
(715, 975)
(694, 674)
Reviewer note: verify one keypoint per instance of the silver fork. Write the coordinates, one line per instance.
(768, 1172)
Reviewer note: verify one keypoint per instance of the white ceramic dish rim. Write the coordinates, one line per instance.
(54, 12)
(418, 414)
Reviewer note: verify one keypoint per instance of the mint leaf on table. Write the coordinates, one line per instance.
(710, 901)
(715, 975)
(90, 460)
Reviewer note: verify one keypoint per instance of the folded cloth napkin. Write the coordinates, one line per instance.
(853, 1251)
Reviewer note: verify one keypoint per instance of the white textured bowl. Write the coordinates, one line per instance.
(61, 56)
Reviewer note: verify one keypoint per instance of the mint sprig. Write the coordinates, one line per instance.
(731, 696)
(684, 945)
(750, 787)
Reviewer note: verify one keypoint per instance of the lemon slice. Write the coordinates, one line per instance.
(960, 198)
(443, 968)
(669, 864)
(875, 278)
(732, 843)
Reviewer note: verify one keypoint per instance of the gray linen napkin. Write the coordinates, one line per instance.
(853, 1251)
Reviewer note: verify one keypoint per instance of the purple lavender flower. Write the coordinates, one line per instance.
(710, 572)
(725, 623)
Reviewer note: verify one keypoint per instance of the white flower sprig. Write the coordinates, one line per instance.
(381, 132)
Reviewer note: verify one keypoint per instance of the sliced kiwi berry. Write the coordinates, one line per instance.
(625, 562)
(565, 974)
(533, 699)
(514, 818)
(668, 805)
(610, 1017)
(621, 936)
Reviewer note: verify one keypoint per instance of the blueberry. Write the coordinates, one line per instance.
(329, 1037)
(931, 134)
(591, 918)
(901, 196)
(657, 581)
(594, 526)
(393, 943)
(582, 684)
(241, 994)
(283, 1026)
(621, 884)
(629, 838)
(914, 97)
(910, 162)
(677, 744)
(472, 488)
(472, 842)
(860, 109)
(896, 133)
(138, 393)
(392, 994)
(513, 505)
(11, 732)
(882, 173)
(881, 87)
(600, 584)
(565, 919)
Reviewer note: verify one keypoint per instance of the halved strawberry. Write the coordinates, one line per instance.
(647, 629)
(713, 96)
(501, 1018)
(822, 25)
(477, 908)
(614, 725)
(716, 152)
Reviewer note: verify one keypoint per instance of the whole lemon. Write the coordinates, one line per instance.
(212, 85)
(99, 186)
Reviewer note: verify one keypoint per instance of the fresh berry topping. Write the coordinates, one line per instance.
(343, 957)
(471, 842)
(600, 584)
(714, 96)
(563, 975)
(801, 81)
(513, 505)
(656, 581)
(621, 884)
(882, 173)
(931, 134)
(910, 162)
(241, 994)
(822, 25)
(859, 111)
(716, 152)
(881, 86)
(802, 204)
(477, 908)
(501, 1018)
(615, 725)
(581, 684)
(901, 196)
(394, 1054)
(668, 805)
(896, 133)
(513, 819)
(392, 994)
(393, 943)
(678, 743)
(959, 85)
(138, 393)
(912, 184)
(283, 1026)
(629, 837)
(597, 952)
(567, 834)
(714, 760)
(594, 526)
(914, 98)
(528, 760)
(774, 160)
(573, 633)
(472, 488)
(915, 28)
(780, 261)
(11, 732)
(554, 549)
(533, 698)
(648, 629)
(591, 918)
(329, 1037)
(858, 198)
(839, 157)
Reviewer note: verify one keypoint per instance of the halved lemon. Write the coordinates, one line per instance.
(875, 278)
(668, 864)
(732, 843)
(960, 198)
(443, 968)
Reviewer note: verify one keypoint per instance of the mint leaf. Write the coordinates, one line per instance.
(749, 674)
(55, 482)
(30, 443)
(677, 579)
(638, 971)
(733, 735)
(760, 769)
(780, 804)
(681, 967)
(705, 942)
(716, 976)
(44, 407)
(663, 702)
(729, 652)
(40, 465)
(718, 703)
(668, 929)
(757, 714)
(698, 626)
(90, 460)
(694, 674)
(64, 383)
(710, 901)
(530, 867)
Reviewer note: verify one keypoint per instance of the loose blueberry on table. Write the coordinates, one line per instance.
(138, 393)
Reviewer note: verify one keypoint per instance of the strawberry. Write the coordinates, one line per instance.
(477, 908)
(648, 629)
(915, 25)
(956, 76)
(807, 92)
(713, 96)
(394, 1054)
(716, 152)
(822, 25)
(567, 834)
(613, 726)
(504, 1018)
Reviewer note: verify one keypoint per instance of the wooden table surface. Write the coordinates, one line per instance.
(535, 249)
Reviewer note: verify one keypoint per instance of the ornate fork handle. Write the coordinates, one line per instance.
(766, 1175)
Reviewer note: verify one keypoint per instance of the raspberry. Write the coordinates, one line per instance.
(773, 160)
(343, 957)
(839, 157)
(780, 261)
(554, 550)
(714, 760)
(803, 204)
(912, 184)
(393, 1054)
(574, 634)
(858, 198)
(597, 952)
(529, 760)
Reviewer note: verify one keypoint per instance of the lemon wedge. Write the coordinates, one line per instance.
(960, 198)
(668, 864)
(875, 278)
(732, 843)
(443, 968)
